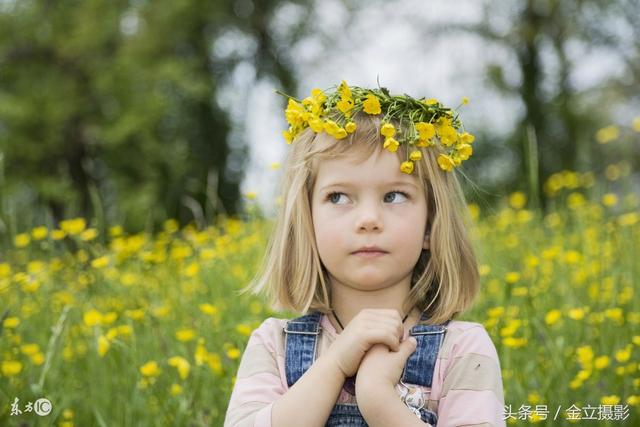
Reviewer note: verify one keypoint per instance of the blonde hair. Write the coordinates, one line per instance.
(445, 280)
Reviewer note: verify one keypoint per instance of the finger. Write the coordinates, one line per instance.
(408, 347)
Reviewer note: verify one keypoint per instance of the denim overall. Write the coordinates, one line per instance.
(301, 339)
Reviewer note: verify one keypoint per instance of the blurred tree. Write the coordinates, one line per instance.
(560, 118)
(108, 108)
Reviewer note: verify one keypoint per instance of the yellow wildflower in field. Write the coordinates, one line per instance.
(11, 368)
(572, 257)
(233, 353)
(607, 134)
(58, 234)
(602, 362)
(207, 308)
(100, 262)
(495, 311)
(192, 269)
(89, 234)
(610, 400)
(39, 233)
(30, 349)
(150, 369)
(552, 317)
(11, 323)
(624, 354)
(185, 334)
(615, 314)
(136, 314)
(175, 389)
(73, 226)
(609, 199)
(576, 313)
(512, 277)
(517, 200)
(103, 345)
(92, 318)
(215, 363)
(514, 342)
(636, 340)
(201, 353)
(181, 364)
(244, 329)
(21, 240)
(511, 328)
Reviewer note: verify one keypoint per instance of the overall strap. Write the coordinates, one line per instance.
(300, 345)
(420, 365)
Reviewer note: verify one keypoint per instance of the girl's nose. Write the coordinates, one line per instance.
(369, 217)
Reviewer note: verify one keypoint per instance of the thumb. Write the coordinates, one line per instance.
(408, 346)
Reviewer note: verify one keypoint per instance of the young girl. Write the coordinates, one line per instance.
(370, 245)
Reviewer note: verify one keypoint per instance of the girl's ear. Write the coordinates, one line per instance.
(427, 241)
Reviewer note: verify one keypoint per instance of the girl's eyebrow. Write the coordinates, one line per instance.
(386, 184)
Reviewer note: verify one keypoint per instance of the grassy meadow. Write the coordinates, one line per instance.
(143, 330)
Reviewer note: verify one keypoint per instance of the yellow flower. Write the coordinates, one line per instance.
(251, 195)
(607, 134)
(512, 277)
(73, 226)
(233, 353)
(350, 127)
(185, 335)
(345, 105)
(316, 124)
(11, 367)
(175, 389)
(448, 135)
(150, 369)
(610, 400)
(58, 234)
(601, 362)
(467, 138)
(576, 313)
(21, 240)
(624, 354)
(445, 162)
(517, 200)
(372, 105)
(208, 308)
(100, 262)
(552, 317)
(465, 100)
(426, 130)
(181, 364)
(388, 130)
(137, 314)
(89, 234)
(288, 136)
(636, 124)
(103, 345)
(406, 167)
(636, 340)
(415, 155)
(39, 233)
(344, 89)
(30, 349)
(431, 101)
(92, 318)
(244, 329)
(391, 144)
(465, 151)
(10, 323)
(609, 199)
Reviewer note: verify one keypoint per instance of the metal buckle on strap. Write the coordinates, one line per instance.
(444, 328)
(286, 329)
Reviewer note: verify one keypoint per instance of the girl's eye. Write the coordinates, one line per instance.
(335, 196)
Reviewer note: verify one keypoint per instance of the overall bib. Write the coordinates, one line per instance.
(300, 342)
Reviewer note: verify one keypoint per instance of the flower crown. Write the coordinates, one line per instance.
(428, 121)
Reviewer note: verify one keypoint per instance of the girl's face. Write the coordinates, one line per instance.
(371, 203)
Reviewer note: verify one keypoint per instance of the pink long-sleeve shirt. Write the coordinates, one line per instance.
(466, 388)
